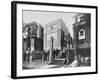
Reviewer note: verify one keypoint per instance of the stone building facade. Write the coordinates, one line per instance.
(59, 31)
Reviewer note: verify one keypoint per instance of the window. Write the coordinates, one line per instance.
(81, 34)
(78, 19)
(81, 19)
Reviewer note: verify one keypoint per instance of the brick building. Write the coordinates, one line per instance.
(33, 39)
(82, 38)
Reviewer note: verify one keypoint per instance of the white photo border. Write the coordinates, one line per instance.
(20, 6)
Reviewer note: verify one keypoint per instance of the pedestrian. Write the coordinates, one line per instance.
(27, 54)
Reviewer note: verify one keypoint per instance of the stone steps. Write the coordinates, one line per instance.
(58, 61)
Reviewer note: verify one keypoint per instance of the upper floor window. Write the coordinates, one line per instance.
(78, 19)
(81, 34)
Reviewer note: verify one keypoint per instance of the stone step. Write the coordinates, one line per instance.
(58, 62)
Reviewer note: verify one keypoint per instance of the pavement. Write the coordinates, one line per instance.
(39, 65)
(45, 65)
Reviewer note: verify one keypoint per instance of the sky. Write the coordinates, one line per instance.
(44, 17)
